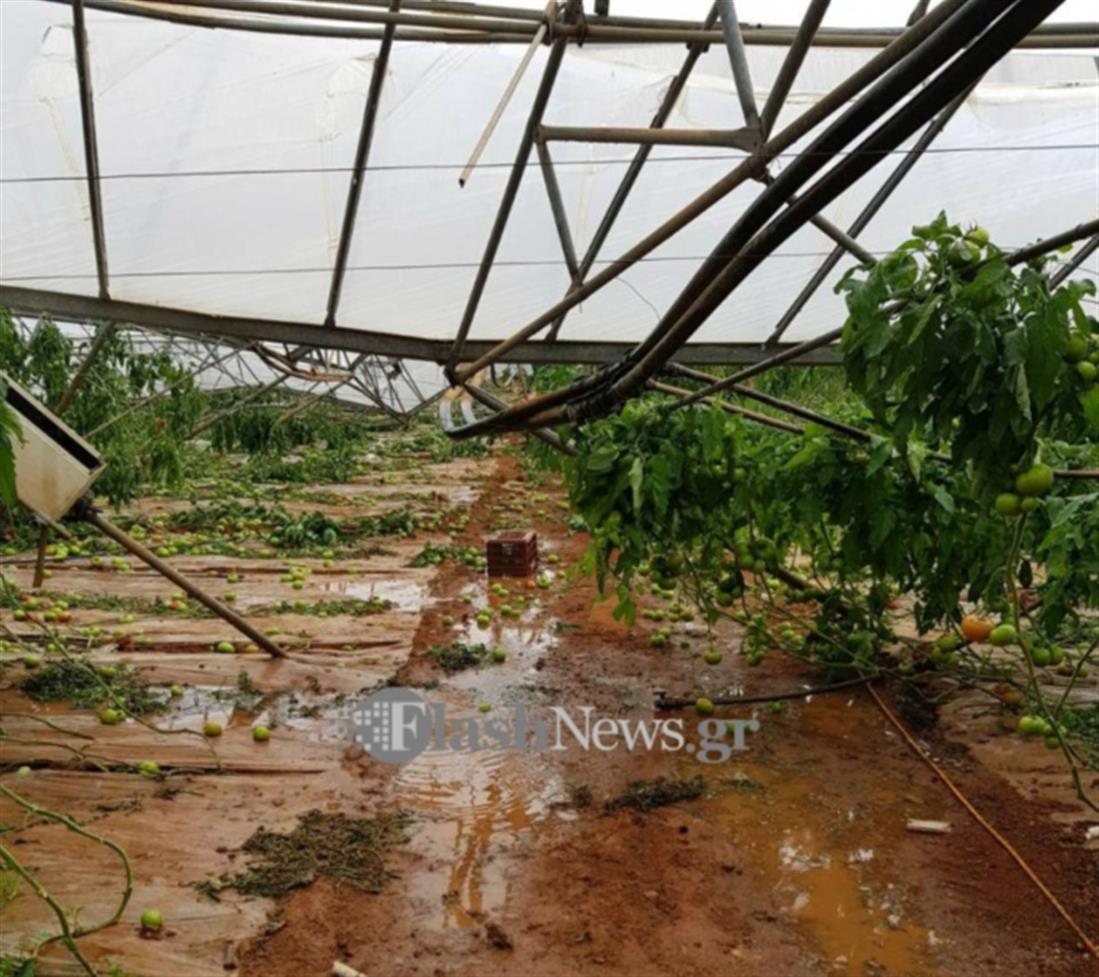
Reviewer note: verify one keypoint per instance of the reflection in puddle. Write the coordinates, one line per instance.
(472, 808)
(401, 593)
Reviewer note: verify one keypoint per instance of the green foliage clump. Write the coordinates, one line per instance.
(949, 344)
(648, 795)
(140, 447)
(459, 656)
(83, 686)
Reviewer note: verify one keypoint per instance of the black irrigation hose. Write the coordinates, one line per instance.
(952, 36)
(957, 76)
(665, 704)
(614, 385)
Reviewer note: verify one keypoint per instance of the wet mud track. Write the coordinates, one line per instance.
(794, 861)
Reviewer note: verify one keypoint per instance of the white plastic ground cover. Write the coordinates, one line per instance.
(225, 158)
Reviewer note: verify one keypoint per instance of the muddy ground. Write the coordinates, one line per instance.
(794, 860)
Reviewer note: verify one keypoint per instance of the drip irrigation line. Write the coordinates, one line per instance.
(915, 746)
(499, 165)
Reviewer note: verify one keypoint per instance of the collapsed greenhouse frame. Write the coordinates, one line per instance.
(896, 104)
(366, 360)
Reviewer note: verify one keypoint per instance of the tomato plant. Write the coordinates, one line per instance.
(963, 370)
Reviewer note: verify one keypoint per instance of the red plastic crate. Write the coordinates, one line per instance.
(512, 554)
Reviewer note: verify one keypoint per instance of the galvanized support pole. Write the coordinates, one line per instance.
(918, 11)
(633, 171)
(145, 401)
(738, 59)
(239, 405)
(823, 420)
(752, 415)
(1071, 236)
(1075, 261)
(791, 65)
(884, 192)
(494, 119)
(542, 434)
(743, 390)
(358, 172)
(91, 146)
(841, 237)
(40, 556)
(91, 515)
(837, 97)
(511, 190)
(90, 357)
(517, 27)
(557, 206)
(825, 339)
(758, 232)
(745, 138)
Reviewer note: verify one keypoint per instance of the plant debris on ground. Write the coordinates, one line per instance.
(647, 795)
(346, 850)
(459, 656)
(84, 686)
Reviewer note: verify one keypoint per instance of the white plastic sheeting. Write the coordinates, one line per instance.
(226, 156)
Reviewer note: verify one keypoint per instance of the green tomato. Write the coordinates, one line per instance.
(152, 919)
(704, 707)
(947, 643)
(1087, 371)
(1002, 636)
(1007, 504)
(1030, 725)
(1041, 657)
(1076, 349)
(1037, 481)
(261, 734)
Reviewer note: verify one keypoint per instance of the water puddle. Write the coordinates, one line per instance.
(819, 861)
(403, 594)
(474, 810)
(860, 927)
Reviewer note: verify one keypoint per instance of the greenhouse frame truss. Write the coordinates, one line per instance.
(924, 71)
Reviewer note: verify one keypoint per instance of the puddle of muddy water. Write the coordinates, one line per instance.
(403, 594)
(473, 809)
(819, 860)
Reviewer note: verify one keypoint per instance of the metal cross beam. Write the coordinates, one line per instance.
(91, 146)
(362, 155)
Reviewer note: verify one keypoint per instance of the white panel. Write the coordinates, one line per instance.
(198, 130)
